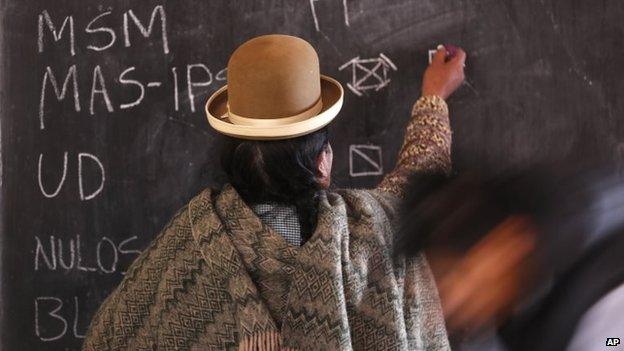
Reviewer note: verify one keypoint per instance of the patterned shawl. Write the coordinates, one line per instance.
(218, 278)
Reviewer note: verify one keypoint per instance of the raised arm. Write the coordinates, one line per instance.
(427, 143)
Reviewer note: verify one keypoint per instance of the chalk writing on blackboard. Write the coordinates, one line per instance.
(146, 32)
(63, 254)
(192, 84)
(365, 160)
(68, 23)
(198, 75)
(368, 74)
(60, 82)
(82, 157)
(345, 11)
(45, 16)
(432, 53)
(98, 86)
(60, 93)
(51, 321)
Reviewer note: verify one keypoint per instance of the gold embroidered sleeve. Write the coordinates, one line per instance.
(426, 147)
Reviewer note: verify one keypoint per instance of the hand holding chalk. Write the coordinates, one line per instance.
(445, 73)
(451, 51)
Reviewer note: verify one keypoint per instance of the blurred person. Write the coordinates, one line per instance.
(275, 260)
(538, 255)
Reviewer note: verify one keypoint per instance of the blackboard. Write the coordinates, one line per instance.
(103, 135)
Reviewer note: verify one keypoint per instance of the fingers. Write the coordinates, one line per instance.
(454, 288)
(480, 308)
(486, 281)
(445, 73)
(440, 55)
(456, 56)
(459, 58)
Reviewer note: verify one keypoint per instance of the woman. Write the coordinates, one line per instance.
(275, 261)
(536, 254)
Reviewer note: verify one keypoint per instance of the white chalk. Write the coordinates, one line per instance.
(431, 54)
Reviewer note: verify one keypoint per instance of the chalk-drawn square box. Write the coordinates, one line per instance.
(365, 160)
(368, 74)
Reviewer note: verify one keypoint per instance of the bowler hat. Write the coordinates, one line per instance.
(274, 91)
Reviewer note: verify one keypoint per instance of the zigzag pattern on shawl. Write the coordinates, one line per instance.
(217, 277)
(134, 302)
(219, 253)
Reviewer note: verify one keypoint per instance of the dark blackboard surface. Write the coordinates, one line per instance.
(545, 82)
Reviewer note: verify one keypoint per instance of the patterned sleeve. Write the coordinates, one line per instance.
(426, 147)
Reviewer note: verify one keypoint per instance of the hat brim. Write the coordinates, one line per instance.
(332, 96)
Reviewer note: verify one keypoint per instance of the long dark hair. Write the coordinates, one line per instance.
(281, 171)
(458, 211)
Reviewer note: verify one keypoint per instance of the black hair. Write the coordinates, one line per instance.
(457, 211)
(279, 171)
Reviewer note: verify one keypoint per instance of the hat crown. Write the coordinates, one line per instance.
(273, 76)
